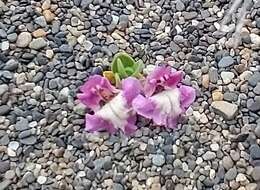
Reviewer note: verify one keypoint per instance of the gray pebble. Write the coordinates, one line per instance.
(158, 160)
(38, 43)
(226, 62)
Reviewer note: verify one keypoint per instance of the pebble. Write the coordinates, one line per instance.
(241, 178)
(38, 43)
(227, 77)
(4, 109)
(5, 45)
(31, 140)
(217, 96)
(48, 15)
(209, 156)
(257, 89)
(225, 109)
(4, 166)
(23, 39)
(41, 180)
(3, 89)
(10, 174)
(254, 79)
(231, 174)
(227, 162)
(214, 147)
(40, 21)
(226, 62)
(158, 160)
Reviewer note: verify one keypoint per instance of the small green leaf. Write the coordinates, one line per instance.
(121, 68)
(117, 79)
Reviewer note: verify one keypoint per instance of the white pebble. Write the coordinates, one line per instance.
(214, 147)
(41, 179)
(199, 160)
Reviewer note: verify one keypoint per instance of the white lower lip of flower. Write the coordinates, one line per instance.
(168, 102)
(115, 111)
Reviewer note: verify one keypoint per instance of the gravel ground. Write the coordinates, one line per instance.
(49, 47)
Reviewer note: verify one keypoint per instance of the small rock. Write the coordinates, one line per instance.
(4, 183)
(227, 77)
(227, 162)
(254, 79)
(10, 174)
(205, 81)
(22, 125)
(4, 109)
(123, 22)
(4, 166)
(46, 4)
(225, 109)
(49, 16)
(41, 180)
(189, 15)
(226, 62)
(255, 151)
(23, 39)
(217, 95)
(38, 43)
(251, 186)
(231, 174)
(40, 21)
(241, 178)
(257, 130)
(256, 173)
(3, 89)
(39, 33)
(118, 186)
(257, 89)
(180, 5)
(29, 140)
(209, 155)
(255, 39)
(14, 145)
(213, 75)
(214, 147)
(5, 46)
(11, 65)
(158, 160)
(179, 187)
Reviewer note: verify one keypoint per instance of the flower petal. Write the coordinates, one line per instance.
(131, 88)
(144, 106)
(90, 95)
(174, 79)
(90, 100)
(96, 123)
(151, 82)
(188, 96)
(95, 80)
(130, 127)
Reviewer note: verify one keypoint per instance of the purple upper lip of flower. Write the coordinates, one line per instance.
(95, 90)
(162, 77)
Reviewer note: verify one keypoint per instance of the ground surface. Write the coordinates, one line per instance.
(47, 49)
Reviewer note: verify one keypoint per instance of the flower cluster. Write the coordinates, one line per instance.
(160, 97)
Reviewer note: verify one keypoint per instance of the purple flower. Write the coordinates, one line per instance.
(165, 100)
(95, 90)
(116, 113)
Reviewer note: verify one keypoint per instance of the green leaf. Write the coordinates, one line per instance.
(121, 69)
(117, 79)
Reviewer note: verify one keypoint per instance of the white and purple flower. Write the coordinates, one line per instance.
(165, 99)
(117, 112)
